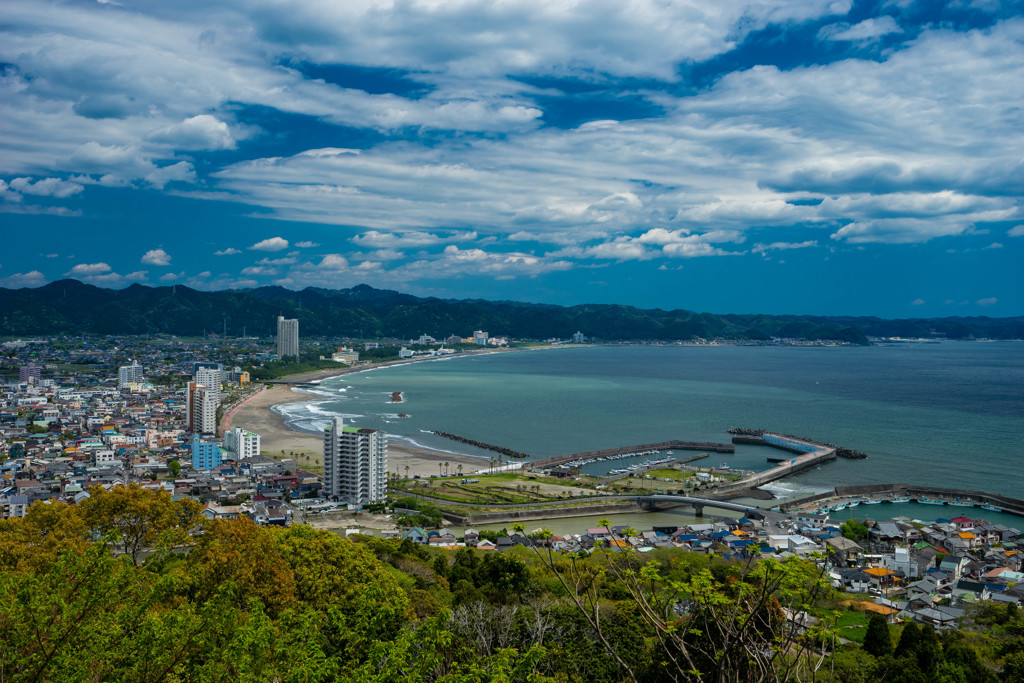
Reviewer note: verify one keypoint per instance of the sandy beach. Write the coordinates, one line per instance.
(278, 441)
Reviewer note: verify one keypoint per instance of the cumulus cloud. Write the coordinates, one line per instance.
(377, 239)
(227, 252)
(271, 244)
(306, 244)
(172, 277)
(989, 301)
(33, 278)
(259, 270)
(760, 248)
(204, 132)
(46, 187)
(917, 302)
(86, 269)
(156, 257)
(1016, 231)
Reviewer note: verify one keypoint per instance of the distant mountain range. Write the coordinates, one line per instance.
(70, 306)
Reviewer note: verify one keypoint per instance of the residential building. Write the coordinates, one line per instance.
(206, 455)
(405, 353)
(345, 355)
(578, 338)
(242, 443)
(30, 373)
(210, 375)
(129, 374)
(355, 463)
(287, 337)
(480, 338)
(201, 408)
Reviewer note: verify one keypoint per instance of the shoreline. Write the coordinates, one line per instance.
(278, 440)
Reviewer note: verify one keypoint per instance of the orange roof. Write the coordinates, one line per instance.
(965, 534)
(878, 571)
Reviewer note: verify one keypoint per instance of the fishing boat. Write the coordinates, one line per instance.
(961, 503)
(899, 499)
(871, 501)
(837, 508)
(930, 501)
(852, 503)
(991, 508)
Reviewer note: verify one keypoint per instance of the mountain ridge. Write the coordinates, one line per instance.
(71, 306)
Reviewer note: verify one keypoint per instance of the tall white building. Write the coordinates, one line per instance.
(287, 337)
(129, 374)
(480, 338)
(201, 407)
(210, 376)
(355, 464)
(242, 443)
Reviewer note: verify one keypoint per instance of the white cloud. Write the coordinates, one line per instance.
(172, 277)
(375, 238)
(46, 187)
(179, 172)
(85, 269)
(306, 244)
(198, 132)
(259, 270)
(156, 257)
(760, 248)
(285, 261)
(870, 29)
(271, 244)
(33, 278)
(333, 262)
(227, 252)
(989, 301)
(1016, 231)
(917, 302)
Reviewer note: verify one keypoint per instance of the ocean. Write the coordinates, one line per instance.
(945, 414)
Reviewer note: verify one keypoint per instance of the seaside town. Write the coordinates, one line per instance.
(84, 413)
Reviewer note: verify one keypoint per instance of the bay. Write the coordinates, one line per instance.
(948, 414)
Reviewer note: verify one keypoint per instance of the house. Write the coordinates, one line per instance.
(415, 534)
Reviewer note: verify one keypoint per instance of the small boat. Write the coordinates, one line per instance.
(899, 499)
(991, 508)
(871, 501)
(853, 503)
(961, 503)
(837, 508)
(930, 501)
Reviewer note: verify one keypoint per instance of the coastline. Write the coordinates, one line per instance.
(278, 440)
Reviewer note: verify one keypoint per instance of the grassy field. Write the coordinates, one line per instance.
(496, 488)
(671, 473)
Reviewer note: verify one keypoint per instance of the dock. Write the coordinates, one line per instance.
(624, 451)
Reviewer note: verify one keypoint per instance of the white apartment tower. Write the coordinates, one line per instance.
(210, 377)
(129, 374)
(355, 464)
(201, 408)
(287, 337)
(242, 443)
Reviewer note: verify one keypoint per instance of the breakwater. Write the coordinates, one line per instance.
(507, 452)
(756, 437)
(638, 450)
(1013, 506)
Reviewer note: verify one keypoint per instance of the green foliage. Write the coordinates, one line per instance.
(854, 530)
(877, 640)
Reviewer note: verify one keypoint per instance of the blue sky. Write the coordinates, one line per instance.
(790, 156)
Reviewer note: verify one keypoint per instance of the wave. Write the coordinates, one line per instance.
(416, 444)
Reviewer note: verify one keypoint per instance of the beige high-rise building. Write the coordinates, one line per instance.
(201, 408)
(355, 464)
(287, 337)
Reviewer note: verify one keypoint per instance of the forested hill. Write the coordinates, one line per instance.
(69, 306)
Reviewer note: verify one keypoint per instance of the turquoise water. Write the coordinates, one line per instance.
(949, 414)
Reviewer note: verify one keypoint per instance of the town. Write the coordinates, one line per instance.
(85, 412)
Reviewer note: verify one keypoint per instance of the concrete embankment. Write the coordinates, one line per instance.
(1013, 506)
(639, 448)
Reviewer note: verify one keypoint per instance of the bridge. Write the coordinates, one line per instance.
(649, 502)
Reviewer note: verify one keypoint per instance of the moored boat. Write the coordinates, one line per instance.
(991, 508)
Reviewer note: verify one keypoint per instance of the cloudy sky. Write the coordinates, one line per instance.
(778, 156)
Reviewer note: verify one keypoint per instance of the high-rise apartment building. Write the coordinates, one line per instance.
(201, 408)
(287, 337)
(209, 375)
(205, 454)
(242, 443)
(355, 464)
(129, 374)
(480, 338)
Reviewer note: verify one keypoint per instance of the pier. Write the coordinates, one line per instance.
(638, 450)
(810, 455)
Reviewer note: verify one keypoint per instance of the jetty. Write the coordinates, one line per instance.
(638, 450)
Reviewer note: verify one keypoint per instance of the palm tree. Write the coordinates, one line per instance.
(406, 471)
(446, 468)
(460, 469)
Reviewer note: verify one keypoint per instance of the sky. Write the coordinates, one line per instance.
(788, 156)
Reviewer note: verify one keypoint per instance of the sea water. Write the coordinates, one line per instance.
(949, 414)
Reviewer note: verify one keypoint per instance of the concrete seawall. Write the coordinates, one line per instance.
(1013, 506)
